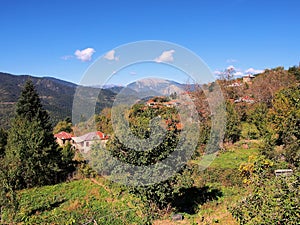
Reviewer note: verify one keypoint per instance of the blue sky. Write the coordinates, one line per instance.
(41, 37)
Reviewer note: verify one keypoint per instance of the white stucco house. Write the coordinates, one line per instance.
(83, 143)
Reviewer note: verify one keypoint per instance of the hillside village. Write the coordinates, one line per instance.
(259, 154)
(82, 143)
(150, 112)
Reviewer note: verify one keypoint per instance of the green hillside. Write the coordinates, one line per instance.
(78, 202)
(56, 96)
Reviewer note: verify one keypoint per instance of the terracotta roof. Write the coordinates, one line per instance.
(63, 135)
(101, 135)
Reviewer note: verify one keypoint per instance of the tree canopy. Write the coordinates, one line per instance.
(33, 157)
(283, 138)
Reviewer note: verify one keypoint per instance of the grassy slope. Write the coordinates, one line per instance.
(78, 202)
(224, 169)
(82, 201)
(223, 175)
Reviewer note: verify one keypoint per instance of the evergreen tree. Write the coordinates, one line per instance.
(233, 130)
(3, 142)
(29, 107)
(8, 196)
(33, 156)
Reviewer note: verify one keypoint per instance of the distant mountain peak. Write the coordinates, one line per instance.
(156, 86)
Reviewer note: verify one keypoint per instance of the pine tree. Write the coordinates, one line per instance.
(233, 130)
(3, 142)
(33, 156)
(29, 107)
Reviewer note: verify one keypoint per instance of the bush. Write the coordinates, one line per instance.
(275, 201)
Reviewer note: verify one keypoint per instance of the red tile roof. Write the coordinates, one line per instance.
(63, 135)
(101, 135)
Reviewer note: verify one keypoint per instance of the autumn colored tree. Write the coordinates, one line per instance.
(103, 121)
(266, 85)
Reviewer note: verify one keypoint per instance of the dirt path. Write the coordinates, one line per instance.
(100, 184)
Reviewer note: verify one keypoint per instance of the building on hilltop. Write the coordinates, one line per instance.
(248, 78)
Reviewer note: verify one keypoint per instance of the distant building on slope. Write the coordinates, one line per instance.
(248, 78)
(84, 142)
(246, 99)
(62, 138)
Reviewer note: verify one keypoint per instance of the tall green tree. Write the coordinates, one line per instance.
(284, 126)
(3, 142)
(295, 70)
(107, 161)
(29, 107)
(233, 124)
(258, 117)
(33, 157)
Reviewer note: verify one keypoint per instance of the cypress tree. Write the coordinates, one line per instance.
(33, 156)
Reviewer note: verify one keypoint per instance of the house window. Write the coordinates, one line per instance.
(87, 144)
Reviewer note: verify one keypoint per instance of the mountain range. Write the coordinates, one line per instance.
(57, 95)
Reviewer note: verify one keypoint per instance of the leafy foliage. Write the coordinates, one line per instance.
(233, 129)
(139, 117)
(295, 70)
(258, 117)
(273, 200)
(284, 126)
(103, 121)
(3, 142)
(33, 157)
(63, 125)
(8, 196)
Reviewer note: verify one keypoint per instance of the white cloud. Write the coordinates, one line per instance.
(111, 55)
(166, 56)
(238, 73)
(133, 73)
(85, 54)
(253, 71)
(217, 72)
(235, 71)
(231, 67)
